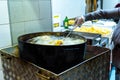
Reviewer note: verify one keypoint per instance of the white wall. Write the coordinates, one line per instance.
(70, 8)
(5, 38)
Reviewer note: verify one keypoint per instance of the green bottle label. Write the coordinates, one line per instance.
(66, 22)
(66, 25)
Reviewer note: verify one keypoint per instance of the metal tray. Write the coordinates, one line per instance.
(92, 38)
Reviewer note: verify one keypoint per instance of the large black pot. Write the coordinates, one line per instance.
(51, 57)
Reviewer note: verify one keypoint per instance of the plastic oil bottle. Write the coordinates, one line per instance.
(65, 22)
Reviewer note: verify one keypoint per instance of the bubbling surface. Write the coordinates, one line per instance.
(55, 40)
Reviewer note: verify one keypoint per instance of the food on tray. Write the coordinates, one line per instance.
(94, 29)
(54, 40)
(71, 22)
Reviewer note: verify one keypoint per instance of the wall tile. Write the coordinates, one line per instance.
(38, 26)
(17, 30)
(5, 37)
(23, 10)
(45, 9)
(31, 10)
(3, 12)
(16, 11)
(25, 17)
(32, 26)
(46, 25)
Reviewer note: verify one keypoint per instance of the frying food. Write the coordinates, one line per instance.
(58, 42)
(54, 40)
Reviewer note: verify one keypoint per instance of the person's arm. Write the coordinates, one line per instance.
(102, 14)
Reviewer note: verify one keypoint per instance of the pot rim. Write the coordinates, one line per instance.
(20, 38)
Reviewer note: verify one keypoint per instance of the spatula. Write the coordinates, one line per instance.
(74, 27)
